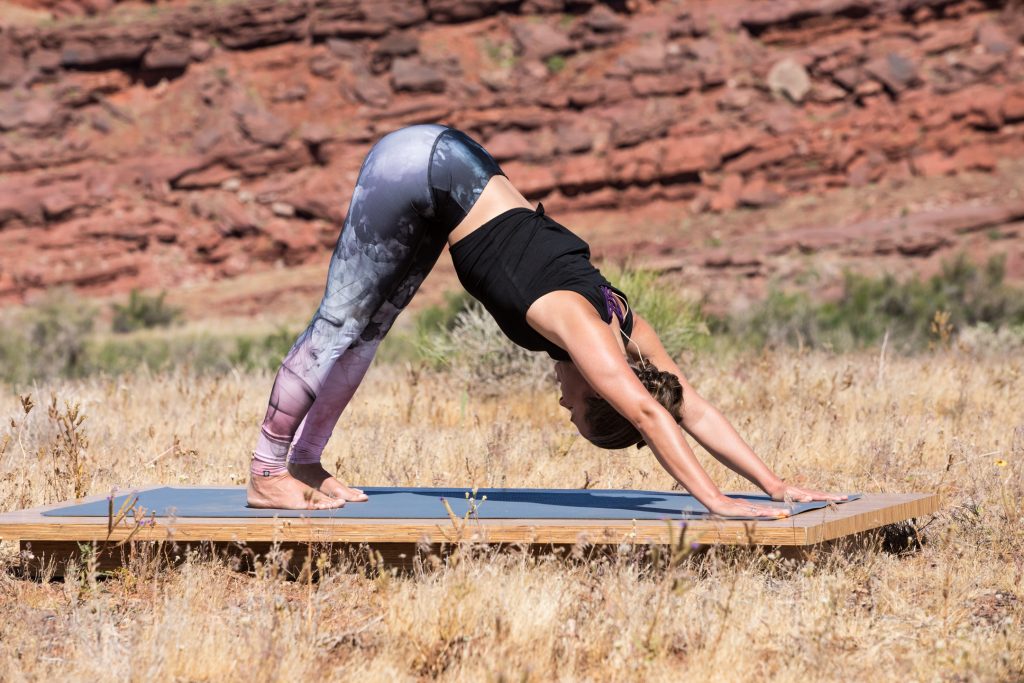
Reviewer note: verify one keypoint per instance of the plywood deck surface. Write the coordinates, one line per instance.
(811, 527)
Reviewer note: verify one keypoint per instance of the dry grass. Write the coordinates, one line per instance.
(952, 611)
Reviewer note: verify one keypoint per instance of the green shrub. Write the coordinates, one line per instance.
(555, 63)
(501, 54)
(58, 328)
(871, 306)
(200, 352)
(434, 318)
(983, 339)
(55, 338)
(48, 339)
(463, 338)
(14, 356)
(143, 312)
(478, 353)
(264, 352)
(680, 323)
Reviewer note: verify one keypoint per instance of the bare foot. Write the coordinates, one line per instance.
(285, 492)
(315, 476)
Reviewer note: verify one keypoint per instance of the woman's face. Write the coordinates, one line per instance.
(575, 392)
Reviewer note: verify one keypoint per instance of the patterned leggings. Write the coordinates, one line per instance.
(415, 186)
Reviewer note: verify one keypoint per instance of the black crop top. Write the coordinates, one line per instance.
(519, 256)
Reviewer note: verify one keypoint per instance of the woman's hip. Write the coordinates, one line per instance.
(424, 177)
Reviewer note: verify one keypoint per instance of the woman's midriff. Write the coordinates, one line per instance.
(498, 196)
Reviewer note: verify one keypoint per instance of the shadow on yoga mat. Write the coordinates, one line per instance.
(425, 503)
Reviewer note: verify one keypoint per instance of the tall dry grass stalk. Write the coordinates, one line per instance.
(952, 611)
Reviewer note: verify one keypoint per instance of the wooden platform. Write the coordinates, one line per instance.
(809, 528)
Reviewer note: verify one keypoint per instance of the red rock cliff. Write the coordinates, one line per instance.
(152, 144)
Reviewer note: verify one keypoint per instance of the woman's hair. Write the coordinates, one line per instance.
(608, 429)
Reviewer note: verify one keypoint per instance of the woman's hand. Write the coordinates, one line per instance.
(798, 494)
(732, 507)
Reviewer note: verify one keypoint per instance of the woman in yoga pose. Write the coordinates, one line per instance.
(419, 188)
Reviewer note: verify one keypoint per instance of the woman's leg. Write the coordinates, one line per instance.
(458, 170)
(390, 217)
(346, 375)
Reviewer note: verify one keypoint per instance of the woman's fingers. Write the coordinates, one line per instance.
(821, 495)
(808, 495)
(792, 494)
(741, 508)
(764, 511)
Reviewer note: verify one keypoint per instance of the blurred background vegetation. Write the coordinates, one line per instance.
(966, 304)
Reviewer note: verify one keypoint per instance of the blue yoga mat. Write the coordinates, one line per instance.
(425, 503)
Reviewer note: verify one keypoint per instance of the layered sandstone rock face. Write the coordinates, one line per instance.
(152, 144)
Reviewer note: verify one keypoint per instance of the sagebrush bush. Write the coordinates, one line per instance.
(463, 337)
(13, 348)
(202, 352)
(680, 323)
(47, 340)
(59, 327)
(143, 312)
(477, 352)
(262, 351)
(56, 338)
(984, 339)
(962, 295)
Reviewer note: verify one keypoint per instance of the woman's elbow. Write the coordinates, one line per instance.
(694, 409)
(648, 416)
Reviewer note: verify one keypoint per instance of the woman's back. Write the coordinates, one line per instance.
(519, 256)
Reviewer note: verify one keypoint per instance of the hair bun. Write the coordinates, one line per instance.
(663, 386)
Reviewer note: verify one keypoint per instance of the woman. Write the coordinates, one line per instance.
(419, 188)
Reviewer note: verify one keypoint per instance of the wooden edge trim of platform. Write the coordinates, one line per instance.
(863, 518)
(871, 511)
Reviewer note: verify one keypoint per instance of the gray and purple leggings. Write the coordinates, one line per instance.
(415, 186)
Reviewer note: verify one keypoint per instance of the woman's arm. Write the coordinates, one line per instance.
(711, 429)
(567, 319)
